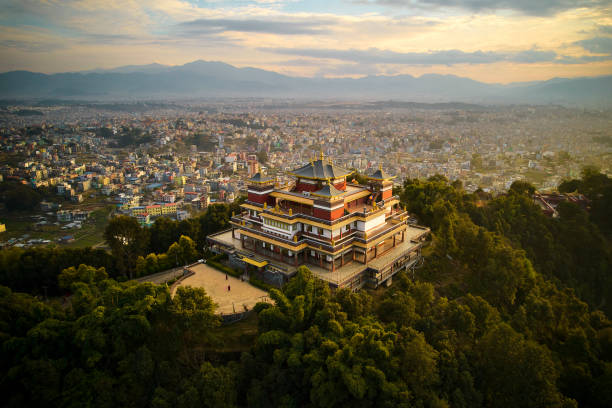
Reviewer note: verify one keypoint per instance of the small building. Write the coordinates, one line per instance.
(66, 239)
(64, 216)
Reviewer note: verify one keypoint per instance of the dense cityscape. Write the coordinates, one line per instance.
(149, 160)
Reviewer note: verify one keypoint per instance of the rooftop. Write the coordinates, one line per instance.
(320, 170)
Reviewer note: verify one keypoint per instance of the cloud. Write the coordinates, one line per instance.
(443, 57)
(285, 26)
(30, 46)
(528, 7)
(597, 45)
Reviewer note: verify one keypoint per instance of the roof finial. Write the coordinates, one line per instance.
(321, 154)
(380, 166)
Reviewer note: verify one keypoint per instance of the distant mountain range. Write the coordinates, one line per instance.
(202, 79)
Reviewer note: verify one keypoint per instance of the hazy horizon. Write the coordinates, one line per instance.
(170, 66)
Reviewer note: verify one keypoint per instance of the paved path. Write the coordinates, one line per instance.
(162, 277)
(215, 284)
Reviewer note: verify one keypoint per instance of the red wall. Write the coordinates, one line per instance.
(328, 215)
(306, 187)
(335, 214)
(323, 214)
(258, 198)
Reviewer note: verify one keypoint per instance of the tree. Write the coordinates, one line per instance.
(19, 197)
(262, 156)
(152, 263)
(84, 273)
(522, 187)
(188, 250)
(127, 241)
(516, 372)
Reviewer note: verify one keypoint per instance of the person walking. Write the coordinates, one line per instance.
(228, 288)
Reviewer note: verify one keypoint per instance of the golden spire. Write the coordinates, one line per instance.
(380, 166)
(321, 154)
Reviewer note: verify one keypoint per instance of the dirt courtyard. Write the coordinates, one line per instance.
(213, 281)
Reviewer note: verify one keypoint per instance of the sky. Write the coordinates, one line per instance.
(487, 40)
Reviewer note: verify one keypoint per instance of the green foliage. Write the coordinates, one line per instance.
(598, 188)
(513, 331)
(19, 197)
(558, 351)
(112, 343)
(35, 270)
(226, 269)
(127, 241)
(258, 283)
(131, 137)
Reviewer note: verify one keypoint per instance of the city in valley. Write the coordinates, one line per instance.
(90, 162)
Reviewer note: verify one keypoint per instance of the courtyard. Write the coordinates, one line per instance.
(216, 284)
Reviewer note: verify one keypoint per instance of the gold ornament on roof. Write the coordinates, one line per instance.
(265, 205)
(290, 211)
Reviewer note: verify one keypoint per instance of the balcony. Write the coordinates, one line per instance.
(361, 211)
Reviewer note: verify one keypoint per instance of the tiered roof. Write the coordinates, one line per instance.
(320, 170)
(380, 175)
(259, 179)
(328, 191)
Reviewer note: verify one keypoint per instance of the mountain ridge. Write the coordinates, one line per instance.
(201, 79)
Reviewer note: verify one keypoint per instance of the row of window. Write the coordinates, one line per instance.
(280, 225)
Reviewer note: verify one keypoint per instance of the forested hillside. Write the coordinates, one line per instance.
(508, 310)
